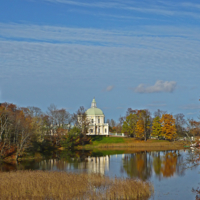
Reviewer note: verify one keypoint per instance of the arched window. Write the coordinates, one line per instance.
(105, 130)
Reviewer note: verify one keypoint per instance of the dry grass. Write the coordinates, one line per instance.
(61, 185)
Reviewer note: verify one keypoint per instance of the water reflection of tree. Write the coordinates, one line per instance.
(141, 165)
(157, 164)
(169, 164)
(138, 165)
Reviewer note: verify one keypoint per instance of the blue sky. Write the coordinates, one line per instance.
(138, 54)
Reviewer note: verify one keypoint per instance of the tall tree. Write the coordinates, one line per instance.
(145, 117)
(139, 130)
(81, 121)
(180, 123)
(159, 113)
(129, 124)
(168, 127)
(112, 125)
(156, 127)
(194, 127)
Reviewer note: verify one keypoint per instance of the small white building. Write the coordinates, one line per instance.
(96, 118)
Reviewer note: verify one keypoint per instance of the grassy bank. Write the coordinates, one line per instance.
(61, 185)
(114, 142)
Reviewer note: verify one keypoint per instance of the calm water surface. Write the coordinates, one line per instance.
(165, 169)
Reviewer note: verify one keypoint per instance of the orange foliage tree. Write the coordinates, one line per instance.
(143, 124)
(168, 127)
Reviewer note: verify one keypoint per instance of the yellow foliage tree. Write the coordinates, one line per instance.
(168, 127)
(139, 130)
(156, 127)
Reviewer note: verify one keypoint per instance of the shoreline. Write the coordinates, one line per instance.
(127, 147)
(137, 145)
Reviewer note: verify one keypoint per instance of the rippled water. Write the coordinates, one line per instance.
(165, 169)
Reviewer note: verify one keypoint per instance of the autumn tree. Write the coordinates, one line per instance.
(129, 124)
(194, 127)
(60, 123)
(156, 127)
(145, 116)
(6, 127)
(112, 125)
(139, 130)
(180, 123)
(168, 127)
(25, 130)
(82, 122)
(143, 124)
(34, 111)
(115, 127)
(18, 128)
(159, 113)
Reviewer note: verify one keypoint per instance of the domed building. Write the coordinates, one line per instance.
(97, 118)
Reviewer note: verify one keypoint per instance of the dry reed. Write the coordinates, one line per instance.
(45, 185)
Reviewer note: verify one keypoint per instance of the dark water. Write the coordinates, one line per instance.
(165, 169)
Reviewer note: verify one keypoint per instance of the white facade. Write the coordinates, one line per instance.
(96, 118)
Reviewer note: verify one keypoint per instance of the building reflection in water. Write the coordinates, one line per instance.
(89, 164)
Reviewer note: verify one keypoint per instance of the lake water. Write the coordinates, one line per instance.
(166, 170)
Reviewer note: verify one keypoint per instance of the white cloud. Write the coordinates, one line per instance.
(109, 88)
(160, 86)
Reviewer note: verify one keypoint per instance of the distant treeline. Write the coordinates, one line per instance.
(143, 125)
(28, 129)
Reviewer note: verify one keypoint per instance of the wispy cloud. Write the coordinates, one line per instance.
(192, 113)
(36, 50)
(191, 107)
(159, 8)
(109, 88)
(97, 4)
(119, 108)
(160, 86)
(157, 105)
(191, 5)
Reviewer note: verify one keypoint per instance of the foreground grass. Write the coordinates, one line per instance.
(61, 185)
